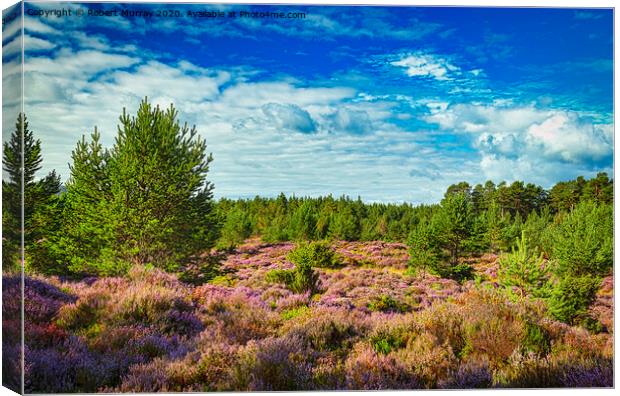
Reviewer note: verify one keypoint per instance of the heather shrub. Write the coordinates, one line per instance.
(365, 369)
(11, 365)
(571, 298)
(386, 303)
(78, 315)
(446, 322)
(295, 312)
(214, 367)
(274, 364)
(392, 335)
(428, 360)
(529, 371)
(471, 374)
(314, 254)
(492, 328)
(330, 329)
(536, 339)
(145, 377)
(236, 315)
(205, 370)
(68, 368)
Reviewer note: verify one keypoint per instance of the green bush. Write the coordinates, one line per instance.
(571, 298)
(385, 303)
(295, 312)
(536, 339)
(315, 254)
(386, 342)
(301, 279)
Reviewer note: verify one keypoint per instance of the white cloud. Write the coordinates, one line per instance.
(572, 139)
(31, 44)
(289, 117)
(350, 120)
(528, 143)
(426, 65)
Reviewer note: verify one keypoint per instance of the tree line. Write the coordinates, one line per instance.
(146, 200)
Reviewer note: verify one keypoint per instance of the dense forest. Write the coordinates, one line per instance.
(133, 266)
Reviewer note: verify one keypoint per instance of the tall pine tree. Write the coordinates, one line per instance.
(37, 194)
(144, 201)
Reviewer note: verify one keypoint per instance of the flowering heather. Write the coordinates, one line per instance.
(369, 326)
(376, 254)
(603, 307)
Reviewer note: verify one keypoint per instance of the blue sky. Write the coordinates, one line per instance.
(388, 103)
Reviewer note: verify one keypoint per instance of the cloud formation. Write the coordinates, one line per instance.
(426, 65)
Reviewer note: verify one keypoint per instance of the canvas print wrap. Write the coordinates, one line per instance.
(221, 197)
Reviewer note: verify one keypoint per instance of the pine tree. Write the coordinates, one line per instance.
(524, 269)
(583, 241)
(86, 242)
(236, 229)
(455, 220)
(37, 194)
(144, 201)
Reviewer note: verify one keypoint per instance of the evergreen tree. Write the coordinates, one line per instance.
(236, 229)
(37, 194)
(144, 201)
(424, 249)
(303, 222)
(583, 241)
(524, 270)
(454, 222)
(344, 225)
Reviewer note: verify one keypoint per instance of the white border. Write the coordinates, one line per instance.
(479, 3)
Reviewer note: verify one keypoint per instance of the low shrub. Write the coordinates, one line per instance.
(365, 369)
(571, 298)
(315, 254)
(301, 279)
(386, 303)
(330, 329)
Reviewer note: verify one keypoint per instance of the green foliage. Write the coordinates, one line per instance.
(572, 296)
(564, 196)
(303, 222)
(535, 227)
(277, 230)
(302, 278)
(236, 229)
(145, 200)
(496, 222)
(384, 342)
(295, 312)
(344, 225)
(424, 250)
(454, 223)
(536, 339)
(385, 303)
(314, 254)
(524, 269)
(436, 245)
(37, 195)
(583, 241)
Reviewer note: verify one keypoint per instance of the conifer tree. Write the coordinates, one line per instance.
(36, 194)
(144, 201)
